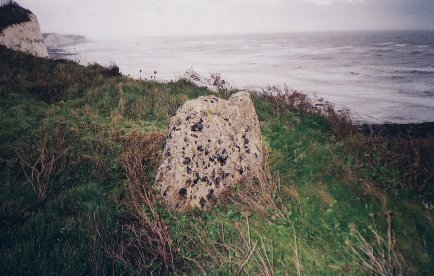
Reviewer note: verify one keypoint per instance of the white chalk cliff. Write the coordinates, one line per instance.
(53, 40)
(25, 37)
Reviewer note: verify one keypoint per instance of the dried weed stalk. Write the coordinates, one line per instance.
(39, 173)
(380, 257)
(143, 244)
(289, 99)
(215, 82)
(259, 194)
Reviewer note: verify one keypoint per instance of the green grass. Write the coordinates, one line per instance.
(90, 116)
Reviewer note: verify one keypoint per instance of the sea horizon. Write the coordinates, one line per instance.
(381, 76)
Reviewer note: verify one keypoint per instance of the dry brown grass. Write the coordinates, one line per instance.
(246, 257)
(291, 192)
(39, 172)
(258, 194)
(324, 194)
(293, 100)
(145, 241)
(381, 256)
(215, 81)
(370, 190)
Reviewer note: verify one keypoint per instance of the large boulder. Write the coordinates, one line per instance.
(213, 144)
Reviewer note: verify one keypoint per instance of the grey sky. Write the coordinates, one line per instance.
(99, 18)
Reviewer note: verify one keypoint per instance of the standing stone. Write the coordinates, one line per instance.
(213, 144)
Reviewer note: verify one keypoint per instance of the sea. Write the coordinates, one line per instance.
(380, 76)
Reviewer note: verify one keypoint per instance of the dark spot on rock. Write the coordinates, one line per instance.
(222, 157)
(241, 170)
(183, 194)
(188, 182)
(206, 151)
(220, 142)
(165, 191)
(246, 141)
(195, 136)
(186, 161)
(188, 170)
(167, 154)
(197, 178)
(217, 182)
(200, 148)
(210, 196)
(202, 202)
(248, 151)
(197, 126)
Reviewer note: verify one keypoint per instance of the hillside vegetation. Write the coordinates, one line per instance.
(79, 149)
(13, 14)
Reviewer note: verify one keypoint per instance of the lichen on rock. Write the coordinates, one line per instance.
(212, 145)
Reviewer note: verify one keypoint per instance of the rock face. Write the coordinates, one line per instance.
(213, 144)
(53, 40)
(25, 37)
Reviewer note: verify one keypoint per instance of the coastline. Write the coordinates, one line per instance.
(59, 53)
(57, 44)
(409, 130)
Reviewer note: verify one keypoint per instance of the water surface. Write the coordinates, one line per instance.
(381, 76)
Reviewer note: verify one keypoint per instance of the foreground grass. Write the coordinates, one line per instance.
(81, 127)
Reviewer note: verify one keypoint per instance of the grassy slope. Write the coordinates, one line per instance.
(90, 114)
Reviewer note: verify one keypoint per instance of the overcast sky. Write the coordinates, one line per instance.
(109, 18)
